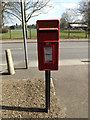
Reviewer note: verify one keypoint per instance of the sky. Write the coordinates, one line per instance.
(59, 7)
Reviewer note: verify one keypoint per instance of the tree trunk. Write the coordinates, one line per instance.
(2, 20)
(68, 30)
(1, 16)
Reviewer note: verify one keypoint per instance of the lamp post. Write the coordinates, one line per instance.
(24, 33)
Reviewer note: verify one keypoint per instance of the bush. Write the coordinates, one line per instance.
(3, 30)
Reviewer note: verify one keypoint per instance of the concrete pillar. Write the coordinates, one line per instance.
(10, 65)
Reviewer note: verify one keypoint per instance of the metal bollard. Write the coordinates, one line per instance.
(10, 65)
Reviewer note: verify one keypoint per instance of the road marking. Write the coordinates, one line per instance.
(75, 47)
(14, 49)
(3, 64)
(66, 62)
(70, 62)
(73, 62)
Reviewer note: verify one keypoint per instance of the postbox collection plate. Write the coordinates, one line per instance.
(48, 44)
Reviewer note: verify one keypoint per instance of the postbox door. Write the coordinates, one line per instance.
(49, 55)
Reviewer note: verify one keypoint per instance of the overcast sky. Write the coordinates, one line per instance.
(59, 7)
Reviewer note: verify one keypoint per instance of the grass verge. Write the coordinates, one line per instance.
(63, 35)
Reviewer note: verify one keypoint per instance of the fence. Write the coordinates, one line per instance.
(73, 34)
(32, 34)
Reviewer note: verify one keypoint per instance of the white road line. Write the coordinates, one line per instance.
(71, 62)
(3, 64)
(78, 47)
(63, 62)
(16, 48)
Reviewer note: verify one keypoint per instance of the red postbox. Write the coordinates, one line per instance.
(48, 44)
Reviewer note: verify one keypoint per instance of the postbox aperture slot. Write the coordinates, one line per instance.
(47, 43)
(48, 53)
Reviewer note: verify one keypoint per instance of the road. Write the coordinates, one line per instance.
(69, 51)
(71, 80)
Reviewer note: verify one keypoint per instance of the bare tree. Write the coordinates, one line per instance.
(63, 23)
(89, 13)
(2, 10)
(0, 14)
(32, 8)
(70, 15)
(78, 14)
(84, 10)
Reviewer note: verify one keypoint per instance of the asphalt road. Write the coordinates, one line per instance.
(68, 51)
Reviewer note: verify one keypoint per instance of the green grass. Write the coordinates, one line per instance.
(73, 34)
(63, 34)
(14, 35)
(33, 34)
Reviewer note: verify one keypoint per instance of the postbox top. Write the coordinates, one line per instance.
(52, 24)
(48, 30)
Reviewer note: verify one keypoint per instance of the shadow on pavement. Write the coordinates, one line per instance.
(19, 68)
(5, 73)
(23, 109)
(85, 61)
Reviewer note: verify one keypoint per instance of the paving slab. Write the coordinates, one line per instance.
(71, 86)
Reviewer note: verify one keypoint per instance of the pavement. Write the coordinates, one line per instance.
(70, 84)
(34, 40)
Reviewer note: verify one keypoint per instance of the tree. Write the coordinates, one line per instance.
(0, 15)
(32, 8)
(70, 15)
(89, 19)
(4, 6)
(84, 10)
(63, 23)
